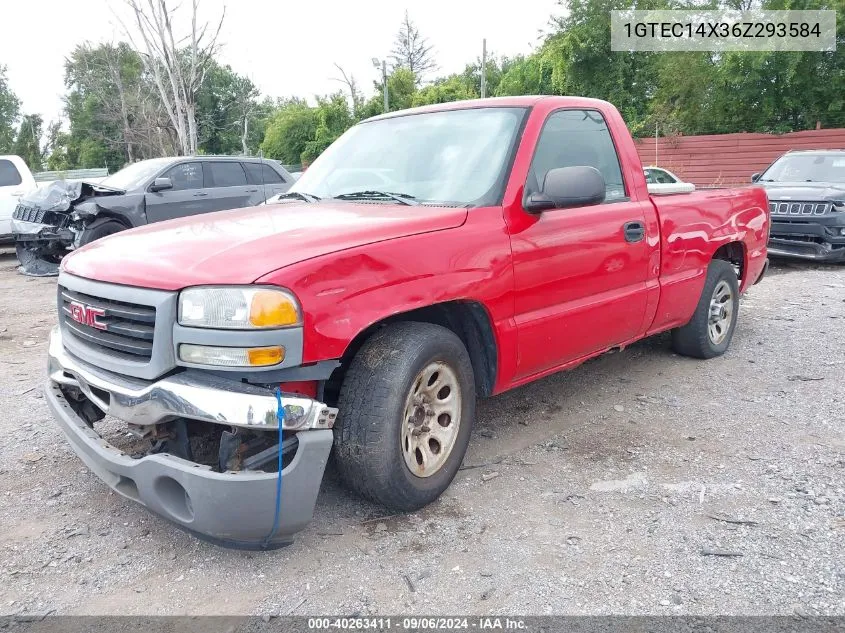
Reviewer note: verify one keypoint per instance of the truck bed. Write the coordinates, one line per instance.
(690, 224)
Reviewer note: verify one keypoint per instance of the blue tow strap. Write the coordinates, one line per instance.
(280, 416)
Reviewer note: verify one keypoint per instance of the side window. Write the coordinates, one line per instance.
(262, 174)
(185, 176)
(573, 138)
(9, 176)
(226, 174)
(662, 177)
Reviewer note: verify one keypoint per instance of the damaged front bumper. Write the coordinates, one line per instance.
(234, 509)
(40, 246)
(820, 239)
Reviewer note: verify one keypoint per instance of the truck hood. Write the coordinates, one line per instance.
(239, 246)
(804, 191)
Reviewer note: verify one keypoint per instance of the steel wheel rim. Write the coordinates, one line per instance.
(432, 419)
(721, 312)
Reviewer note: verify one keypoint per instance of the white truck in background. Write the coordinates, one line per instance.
(15, 181)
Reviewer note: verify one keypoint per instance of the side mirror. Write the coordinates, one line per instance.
(755, 177)
(160, 184)
(568, 187)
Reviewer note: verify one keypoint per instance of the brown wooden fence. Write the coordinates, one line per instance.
(730, 159)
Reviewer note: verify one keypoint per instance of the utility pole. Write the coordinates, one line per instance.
(384, 83)
(383, 65)
(655, 143)
(483, 67)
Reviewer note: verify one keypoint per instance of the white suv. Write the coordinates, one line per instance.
(15, 180)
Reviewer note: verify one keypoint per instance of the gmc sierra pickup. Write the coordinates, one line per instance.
(428, 257)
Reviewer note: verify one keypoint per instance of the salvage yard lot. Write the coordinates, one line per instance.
(641, 482)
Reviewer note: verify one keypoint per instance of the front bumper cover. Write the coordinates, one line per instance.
(819, 238)
(234, 509)
(36, 231)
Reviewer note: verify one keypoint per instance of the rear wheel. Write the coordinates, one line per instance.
(709, 332)
(406, 409)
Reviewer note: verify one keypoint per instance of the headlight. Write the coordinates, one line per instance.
(237, 308)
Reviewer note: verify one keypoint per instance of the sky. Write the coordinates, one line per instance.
(286, 48)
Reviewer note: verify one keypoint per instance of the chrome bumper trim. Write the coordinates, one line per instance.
(194, 395)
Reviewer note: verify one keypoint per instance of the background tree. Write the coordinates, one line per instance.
(333, 119)
(356, 100)
(227, 113)
(289, 130)
(9, 112)
(412, 51)
(178, 72)
(28, 141)
(113, 109)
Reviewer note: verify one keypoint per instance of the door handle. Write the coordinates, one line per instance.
(634, 231)
(251, 190)
(200, 194)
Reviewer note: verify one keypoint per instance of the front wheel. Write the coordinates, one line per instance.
(98, 229)
(406, 409)
(709, 332)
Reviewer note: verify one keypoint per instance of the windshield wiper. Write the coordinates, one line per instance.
(298, 195)
(373, 194)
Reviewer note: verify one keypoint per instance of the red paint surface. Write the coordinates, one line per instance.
(559, 287)
(302, 387)
(730, 159)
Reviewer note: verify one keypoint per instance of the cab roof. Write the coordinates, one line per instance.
(494, 102)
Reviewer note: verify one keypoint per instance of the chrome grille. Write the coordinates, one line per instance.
(799, 208)
(120, 328)
(27, 213)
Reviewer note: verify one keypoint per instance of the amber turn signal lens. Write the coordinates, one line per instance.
(270, 308)
(263, 356)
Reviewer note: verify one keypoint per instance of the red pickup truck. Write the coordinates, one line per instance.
(428, 257)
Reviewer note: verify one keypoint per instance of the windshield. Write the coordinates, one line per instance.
(807, 168)
(135, 175)
(449, 157)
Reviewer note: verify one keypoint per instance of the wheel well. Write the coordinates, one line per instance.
(734, 253)
(108, 217)
(468, 319)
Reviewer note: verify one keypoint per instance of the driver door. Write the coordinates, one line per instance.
(186, 197)
(580, 280)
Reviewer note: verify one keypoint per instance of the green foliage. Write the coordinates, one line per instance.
(108, 107)
(442, 91)
(27, 143)
(223, 102)
(9, 111)
(333, 119)
(530, 75)
(289, 130)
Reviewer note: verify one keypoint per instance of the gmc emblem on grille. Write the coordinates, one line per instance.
(87, 315)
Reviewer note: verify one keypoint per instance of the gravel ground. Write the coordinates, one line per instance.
(639, 483)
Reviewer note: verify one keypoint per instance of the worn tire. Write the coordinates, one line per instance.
(694, 338)
(368, 447)
(99, 228)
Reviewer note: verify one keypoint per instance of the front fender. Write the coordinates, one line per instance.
(342, 294)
